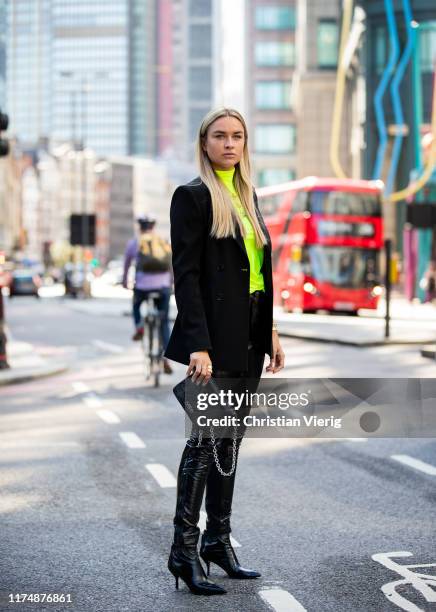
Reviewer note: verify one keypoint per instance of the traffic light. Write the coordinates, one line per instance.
(421, 214)
(4, 144)
(82, 230)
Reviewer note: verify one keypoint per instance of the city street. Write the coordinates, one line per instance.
(88, 465)
(262, 175)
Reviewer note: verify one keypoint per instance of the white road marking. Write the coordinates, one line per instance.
(202, 525)
(80, 387)
(161, 474)
(356, 439)
(280, 600)
(108, 346)
(416, 463)
(92, 401)
(108, 416)
(423, 583)
(131, 439)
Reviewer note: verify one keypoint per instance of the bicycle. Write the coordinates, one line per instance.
(152, 344)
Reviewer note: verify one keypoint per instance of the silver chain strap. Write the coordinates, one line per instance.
(215, 453)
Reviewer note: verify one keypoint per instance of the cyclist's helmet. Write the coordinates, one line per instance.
(146, 222)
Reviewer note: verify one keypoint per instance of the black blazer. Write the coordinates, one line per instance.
(212, 284)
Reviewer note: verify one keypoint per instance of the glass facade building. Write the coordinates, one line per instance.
(87, 68)
(275, 17)
(90, 68)
(28, 73)
(274, 53)
(195, 70)
(327, 43)
(142, 78)
(200, 61)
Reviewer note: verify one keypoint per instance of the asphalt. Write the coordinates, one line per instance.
(26, 364)
(410, 324)
(83, 514)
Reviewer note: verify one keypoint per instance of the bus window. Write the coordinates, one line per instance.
(345, 203)
(338, 266)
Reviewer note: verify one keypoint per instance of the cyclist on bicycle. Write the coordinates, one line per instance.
(152, 257)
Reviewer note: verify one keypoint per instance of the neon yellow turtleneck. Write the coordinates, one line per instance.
(255, 254)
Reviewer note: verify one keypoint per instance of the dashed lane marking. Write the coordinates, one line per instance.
(108, 416)
(92, 401)
(280, 600)
(80, 387)
(416, 463)
(162, 475)
(131, 439)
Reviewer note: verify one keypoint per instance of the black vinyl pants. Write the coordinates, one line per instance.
(198, 470)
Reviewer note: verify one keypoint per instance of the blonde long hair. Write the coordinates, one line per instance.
(224, 216)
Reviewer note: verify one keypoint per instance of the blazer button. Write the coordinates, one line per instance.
(244, 269)
(220, 267)
(220, 296)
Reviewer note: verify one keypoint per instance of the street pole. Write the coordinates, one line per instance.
(82, 114)
(84, 85)
(4, 151)
(84, 177)
(3, 357)
(388, 247)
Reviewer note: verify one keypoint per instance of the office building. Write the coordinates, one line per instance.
(83, 71)
(270, 65)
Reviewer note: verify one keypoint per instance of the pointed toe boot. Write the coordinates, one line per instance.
(218, 550)
(184, 561)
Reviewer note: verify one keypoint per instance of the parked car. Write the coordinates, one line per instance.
(24, 282)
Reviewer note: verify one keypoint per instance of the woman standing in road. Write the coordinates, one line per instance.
(224, 326)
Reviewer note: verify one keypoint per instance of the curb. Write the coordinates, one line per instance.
(358, 344)
(12, 377)
(429, 351)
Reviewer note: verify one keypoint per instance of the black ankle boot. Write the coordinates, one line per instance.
(187, 566)
(184, 562)
(218, 549)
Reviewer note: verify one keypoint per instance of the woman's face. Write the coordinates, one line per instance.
(224, 142)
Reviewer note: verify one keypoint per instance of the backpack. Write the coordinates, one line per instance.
(154, 254)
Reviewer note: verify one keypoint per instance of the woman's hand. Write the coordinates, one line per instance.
(201, 365)
(277, 361)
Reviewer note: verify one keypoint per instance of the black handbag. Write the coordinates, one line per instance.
(184, 391)
(180, 392)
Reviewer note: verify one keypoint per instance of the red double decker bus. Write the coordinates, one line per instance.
(326, 236)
